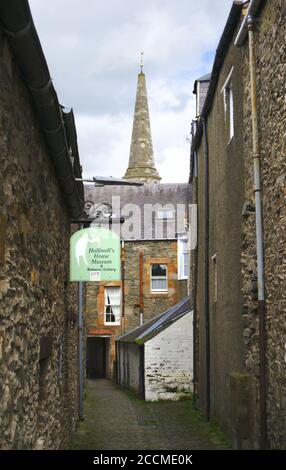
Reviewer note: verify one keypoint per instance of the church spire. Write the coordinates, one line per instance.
(141, 160)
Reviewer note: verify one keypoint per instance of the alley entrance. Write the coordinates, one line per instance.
(97, 357)
(117, 419)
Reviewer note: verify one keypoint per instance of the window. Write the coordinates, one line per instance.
(112, 305)
(159, 278)
(183, 258)
(165, 214)
(43, 373)
(227, 91)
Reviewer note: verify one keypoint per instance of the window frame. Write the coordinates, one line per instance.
(215, 279)
(158, 291)
(116, 322)
(228, 97)
(181, 274)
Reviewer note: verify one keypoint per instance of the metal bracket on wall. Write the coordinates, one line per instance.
(248, 209)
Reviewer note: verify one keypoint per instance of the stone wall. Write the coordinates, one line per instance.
(38, 333)
(164, 252)
(271, 70)
(156, 251)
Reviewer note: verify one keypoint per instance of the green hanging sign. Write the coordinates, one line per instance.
(95, 255)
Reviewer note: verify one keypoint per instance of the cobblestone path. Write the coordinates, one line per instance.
(117, 419)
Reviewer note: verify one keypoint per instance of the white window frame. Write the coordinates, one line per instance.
(156, 277)
(116, 322)
(215, 283)
(181, 242)
(227, 91)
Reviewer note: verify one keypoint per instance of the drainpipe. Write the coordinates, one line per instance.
(123, 286)
(259, 237)
(141, 290)
(207, 313)
(248, 26)
(195, 276)
(80, 347)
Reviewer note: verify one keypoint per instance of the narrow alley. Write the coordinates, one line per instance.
(117, 419)
(142, 230)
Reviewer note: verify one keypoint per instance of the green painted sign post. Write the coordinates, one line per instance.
(95, 255)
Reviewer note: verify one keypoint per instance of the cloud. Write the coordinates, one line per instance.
(93, 52)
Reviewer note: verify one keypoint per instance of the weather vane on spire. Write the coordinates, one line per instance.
(141, 63)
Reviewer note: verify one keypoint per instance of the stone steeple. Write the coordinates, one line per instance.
(141, 160)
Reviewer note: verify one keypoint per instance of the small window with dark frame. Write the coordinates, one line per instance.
(112, 305)
(159, 278)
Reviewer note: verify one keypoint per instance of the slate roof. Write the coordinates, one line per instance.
(149, 193)
(203, 79)
(143, 333)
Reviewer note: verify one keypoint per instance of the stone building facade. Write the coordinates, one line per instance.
(38, 197)
(154, 246)
(138, 301)
(240, 368)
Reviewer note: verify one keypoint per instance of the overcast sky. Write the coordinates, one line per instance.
(93, 52)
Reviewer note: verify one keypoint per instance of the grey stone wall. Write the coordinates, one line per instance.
(271, 70)
(38, 386)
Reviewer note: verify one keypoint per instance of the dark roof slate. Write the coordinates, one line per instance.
(143, 333)
(149, 193)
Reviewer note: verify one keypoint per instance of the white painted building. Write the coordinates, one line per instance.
(156, 359)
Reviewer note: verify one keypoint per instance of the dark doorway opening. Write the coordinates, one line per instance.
(97, 357)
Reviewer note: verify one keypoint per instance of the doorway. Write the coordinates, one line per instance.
(97, 357)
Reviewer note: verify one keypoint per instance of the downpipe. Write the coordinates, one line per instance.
(259, 236)
(80, 347)
(141, 290)
(247, 28)
(195, 275)
(206, 276)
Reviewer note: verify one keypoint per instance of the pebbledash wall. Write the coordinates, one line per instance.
(38, 329)
(271, 71)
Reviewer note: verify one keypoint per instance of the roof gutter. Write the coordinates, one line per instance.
(228, 32)
(17, 23)
(253, 9)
